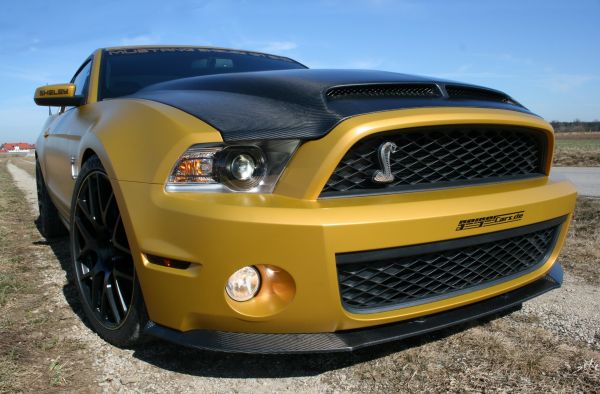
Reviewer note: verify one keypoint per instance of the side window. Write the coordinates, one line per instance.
(82, 79)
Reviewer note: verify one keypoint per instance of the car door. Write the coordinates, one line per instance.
(61, 140)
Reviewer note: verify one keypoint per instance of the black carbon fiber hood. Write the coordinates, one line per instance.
(307, 104)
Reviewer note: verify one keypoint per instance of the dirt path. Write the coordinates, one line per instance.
(26, 183)
(553, 344)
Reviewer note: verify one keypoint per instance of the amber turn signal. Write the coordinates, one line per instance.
(166, 262)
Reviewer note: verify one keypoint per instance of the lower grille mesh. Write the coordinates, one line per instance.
(409, 279)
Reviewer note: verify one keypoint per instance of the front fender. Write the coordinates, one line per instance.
(139, 140)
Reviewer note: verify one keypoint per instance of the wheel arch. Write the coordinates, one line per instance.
(87, 154)
(138, 141)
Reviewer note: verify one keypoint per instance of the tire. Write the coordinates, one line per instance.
(48, 222)
(103, 267)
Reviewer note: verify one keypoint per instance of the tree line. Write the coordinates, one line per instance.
(575, 125)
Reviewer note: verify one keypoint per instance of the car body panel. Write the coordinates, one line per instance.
(139, 142)
(220, 233)
(92, 96)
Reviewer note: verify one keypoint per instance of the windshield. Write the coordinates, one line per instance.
(125, 71)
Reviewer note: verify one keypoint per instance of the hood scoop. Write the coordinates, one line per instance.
(459, 92)
(383, 90)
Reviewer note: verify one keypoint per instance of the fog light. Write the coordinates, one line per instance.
(243, 284)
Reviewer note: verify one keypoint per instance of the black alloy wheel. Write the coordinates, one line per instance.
(102, 261)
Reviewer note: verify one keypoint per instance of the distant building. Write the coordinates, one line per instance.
(18, 147)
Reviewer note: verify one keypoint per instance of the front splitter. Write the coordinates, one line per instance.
(347, 341)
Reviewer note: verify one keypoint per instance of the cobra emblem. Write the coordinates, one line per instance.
(384, 153)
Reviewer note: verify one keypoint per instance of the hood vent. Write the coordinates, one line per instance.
(384, 91)
(468, 93)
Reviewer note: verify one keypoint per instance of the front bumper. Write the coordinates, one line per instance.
(350, 340)
(220, 233)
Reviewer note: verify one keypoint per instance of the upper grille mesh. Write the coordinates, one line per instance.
(377, 284)
(440, 157)
(384, 90)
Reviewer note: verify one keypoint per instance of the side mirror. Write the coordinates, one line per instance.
(59, 95)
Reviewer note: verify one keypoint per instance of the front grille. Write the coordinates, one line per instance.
(441, 156)
(380, 280)
(383, 90)
(469, 93)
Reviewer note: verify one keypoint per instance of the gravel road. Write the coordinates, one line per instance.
(586, 179)
(448, 362)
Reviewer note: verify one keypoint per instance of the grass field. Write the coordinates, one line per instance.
(577, 149)
(44, 346)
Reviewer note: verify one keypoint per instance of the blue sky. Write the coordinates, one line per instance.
(546, 54)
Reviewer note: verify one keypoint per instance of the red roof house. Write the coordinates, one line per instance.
(16, 147)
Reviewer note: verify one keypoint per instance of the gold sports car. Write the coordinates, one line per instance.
(241, 202)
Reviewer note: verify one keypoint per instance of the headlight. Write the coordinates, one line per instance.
(241, 168)
(253, 167)
(243, 284)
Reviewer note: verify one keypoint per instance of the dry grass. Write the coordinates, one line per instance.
(514, 353)
(502, 356)
(29, 326)
(25, 163)
(8, 285)
(581, 253)
(578, 135)
(577, 149)
(9, 155)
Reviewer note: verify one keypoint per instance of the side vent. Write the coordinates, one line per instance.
(384, 91)
(458, 92)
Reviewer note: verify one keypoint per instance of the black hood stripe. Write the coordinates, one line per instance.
(294, 103)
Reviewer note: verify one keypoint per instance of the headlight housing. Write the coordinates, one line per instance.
(246, 167)
(241, 168)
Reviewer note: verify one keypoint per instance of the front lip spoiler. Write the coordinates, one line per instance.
(347, 341)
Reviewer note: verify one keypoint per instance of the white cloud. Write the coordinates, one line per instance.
(142, 39)
(279, 46)
(22, 122)
(567, 82)
(466, 71)
(507, 58)
(36, 76)
(365, 63)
